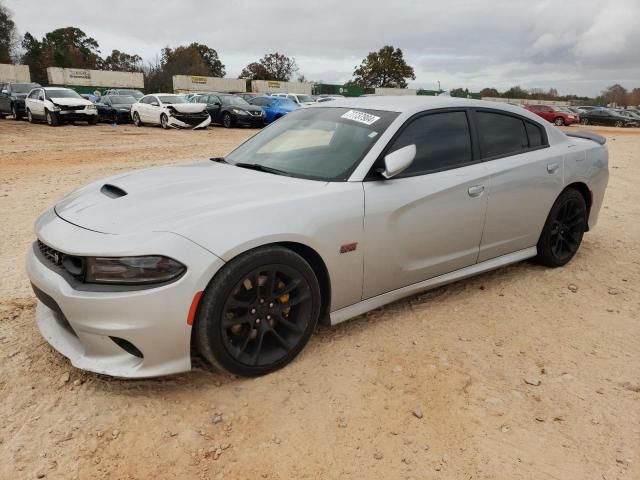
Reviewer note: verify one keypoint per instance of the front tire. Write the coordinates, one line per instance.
(563, 231)
(227, 121)
(51, 118)
(14, 112)
(618, 124)
(164, 121)
(559, 121)
(584, 121)
(29, 116)
(136, 119)
(258, 312)
(93, 120)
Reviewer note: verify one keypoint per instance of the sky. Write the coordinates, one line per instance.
(575, 46)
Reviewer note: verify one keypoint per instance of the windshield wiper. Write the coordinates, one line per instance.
(218, 159)
(262, 168)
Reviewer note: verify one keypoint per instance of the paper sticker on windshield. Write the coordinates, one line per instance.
(360, 117)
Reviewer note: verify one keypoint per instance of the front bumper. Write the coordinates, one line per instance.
(194, 121)
(249, 120)
(89, 326)
(77, 115)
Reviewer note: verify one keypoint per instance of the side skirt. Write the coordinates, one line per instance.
(359, 308)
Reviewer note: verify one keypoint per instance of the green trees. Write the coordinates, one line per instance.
(273, 66)
(384, 68)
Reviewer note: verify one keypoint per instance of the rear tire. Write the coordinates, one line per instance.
(584, 121)
(618, 124)
(563, 231)
(136, 119)
(258, 312)
(93, 120)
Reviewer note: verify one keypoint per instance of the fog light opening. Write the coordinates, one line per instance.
(127, 346)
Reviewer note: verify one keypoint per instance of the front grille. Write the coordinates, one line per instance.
(51, 254)
(74, 108)
(70, 264)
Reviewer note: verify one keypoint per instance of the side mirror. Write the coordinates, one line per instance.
(155, 104)
(398, 161)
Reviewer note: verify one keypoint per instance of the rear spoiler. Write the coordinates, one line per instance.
(588, 135)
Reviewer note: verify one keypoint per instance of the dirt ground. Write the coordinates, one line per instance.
(522, 373)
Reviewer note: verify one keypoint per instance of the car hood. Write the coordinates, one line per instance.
(70, 102)
(168, 198)
(187, 107)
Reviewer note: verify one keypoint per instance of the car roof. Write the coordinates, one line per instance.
(55, 88)
(406, 103)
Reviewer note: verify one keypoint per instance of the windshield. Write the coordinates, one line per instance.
(304, 98)
(122, 99)
(285, 102)
(62, 94)
(172, 99)
(23, 87)
(134, 93)
(315, 143)
(233, 100)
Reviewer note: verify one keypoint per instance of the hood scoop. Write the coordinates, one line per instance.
(112, 191)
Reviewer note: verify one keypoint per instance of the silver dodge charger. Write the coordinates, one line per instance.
(333, 210)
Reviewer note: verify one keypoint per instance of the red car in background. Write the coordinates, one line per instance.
(557, 115)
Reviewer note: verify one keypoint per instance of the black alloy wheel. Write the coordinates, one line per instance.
(563, 230)
(227, 121)
(258, 312)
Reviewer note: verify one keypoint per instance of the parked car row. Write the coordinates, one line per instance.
(587, 115)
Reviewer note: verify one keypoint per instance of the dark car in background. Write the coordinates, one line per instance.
(556, 115)
(137, 94)
(115, 108)
(12, 97)
(230, 110)
(604, 116)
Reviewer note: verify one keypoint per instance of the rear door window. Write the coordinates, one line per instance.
(501, 134)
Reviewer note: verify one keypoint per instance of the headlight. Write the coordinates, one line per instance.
(132, 270)
(124, 109)
(91, 107)
(239, 112)
(56, 108)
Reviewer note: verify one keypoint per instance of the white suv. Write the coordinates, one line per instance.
(56, 105)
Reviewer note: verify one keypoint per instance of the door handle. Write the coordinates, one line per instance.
(476, 190)
(553, 167)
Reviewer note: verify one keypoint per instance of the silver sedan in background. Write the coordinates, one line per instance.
(331, 211)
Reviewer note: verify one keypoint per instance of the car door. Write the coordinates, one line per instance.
(105, 110)
(428, 220)
(5, 106)
(37, 103)
(525, 177)
(214, 106)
